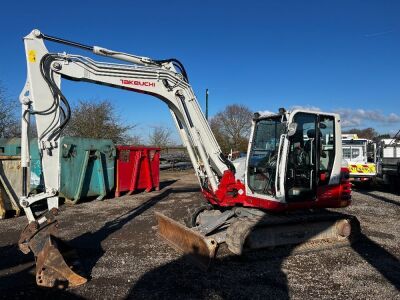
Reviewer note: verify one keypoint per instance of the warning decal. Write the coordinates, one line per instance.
(32, 56)
(362, 168)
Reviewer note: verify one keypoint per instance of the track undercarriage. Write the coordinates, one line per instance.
(244, 229)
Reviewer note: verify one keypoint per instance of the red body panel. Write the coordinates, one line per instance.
(232, 192)
(137, 168)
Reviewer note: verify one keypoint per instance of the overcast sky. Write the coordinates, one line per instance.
(338, 56)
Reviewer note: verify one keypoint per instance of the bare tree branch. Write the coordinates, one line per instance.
(135, 140)
(9, 122)
(368, 133)
(231, 127)
(97, 119)
(160, 137)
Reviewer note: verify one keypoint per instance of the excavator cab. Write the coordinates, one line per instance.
(292, 155)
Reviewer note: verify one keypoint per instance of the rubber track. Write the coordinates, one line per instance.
(192, 213)
(238, 231)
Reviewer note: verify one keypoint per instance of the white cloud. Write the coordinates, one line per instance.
(358, 117)
(265, 113)
(353, 117)
(393, 118)
(307, 107)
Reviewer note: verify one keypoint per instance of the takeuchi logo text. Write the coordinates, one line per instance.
(137, 82)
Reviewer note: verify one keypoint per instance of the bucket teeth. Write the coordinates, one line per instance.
(56, 262)
(51, 268)
(193, 244)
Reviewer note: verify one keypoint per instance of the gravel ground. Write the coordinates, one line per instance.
(124, 259)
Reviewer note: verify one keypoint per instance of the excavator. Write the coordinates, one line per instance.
(276, 196)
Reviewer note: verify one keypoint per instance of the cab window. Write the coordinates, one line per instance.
(327, 145)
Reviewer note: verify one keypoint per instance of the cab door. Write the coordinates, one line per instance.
(302, 159)
(311, 156)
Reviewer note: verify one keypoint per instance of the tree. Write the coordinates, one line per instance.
(160, 137)
(97, 120)
(9, 122)
(382, 136)
(231, 127)
(134, 140)
(366, 133)
(369, 133)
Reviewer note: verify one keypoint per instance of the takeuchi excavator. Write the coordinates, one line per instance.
(275, 196)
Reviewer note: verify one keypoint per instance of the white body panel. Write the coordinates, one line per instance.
(391, 148)
(41, 99)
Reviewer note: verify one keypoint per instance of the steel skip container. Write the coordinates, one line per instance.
(87, 168)
(137, 168)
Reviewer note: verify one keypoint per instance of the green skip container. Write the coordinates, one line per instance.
(86, 168)
(36, 180)
(10, 146)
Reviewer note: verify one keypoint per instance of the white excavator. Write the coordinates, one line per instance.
(276, 196)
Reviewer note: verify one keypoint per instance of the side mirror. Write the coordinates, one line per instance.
(292, 128)
(322, 125)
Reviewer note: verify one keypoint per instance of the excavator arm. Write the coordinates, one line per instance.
(43, 99)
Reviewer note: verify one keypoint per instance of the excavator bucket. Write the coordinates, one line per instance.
(56, 264)
(196, 246)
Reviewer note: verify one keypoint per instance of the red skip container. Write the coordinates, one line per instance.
(137, 168)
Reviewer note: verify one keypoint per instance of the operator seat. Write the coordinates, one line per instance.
(308, 145)
(304, 156)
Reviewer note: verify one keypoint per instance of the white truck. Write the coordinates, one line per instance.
(388, 161)
(359, 155)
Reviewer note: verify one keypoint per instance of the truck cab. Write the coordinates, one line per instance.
(359, 155)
